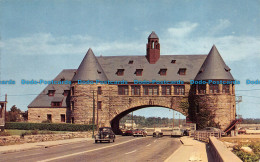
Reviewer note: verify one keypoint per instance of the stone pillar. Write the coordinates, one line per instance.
(197, 89)
(129, 90)
(231, 88)
(141, 90)
(160, 90)
(172, 90)
(207, 88)
(220, 88)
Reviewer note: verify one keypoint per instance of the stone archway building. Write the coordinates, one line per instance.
(108, 83)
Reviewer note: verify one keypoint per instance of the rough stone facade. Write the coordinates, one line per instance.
(9, 140)
(38, 115)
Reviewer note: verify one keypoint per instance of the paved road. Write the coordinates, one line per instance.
(124, 149)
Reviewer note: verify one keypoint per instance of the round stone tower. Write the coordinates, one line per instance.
(214, 92)
(84, 90)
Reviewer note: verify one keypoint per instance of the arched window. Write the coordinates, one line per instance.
(152, 44)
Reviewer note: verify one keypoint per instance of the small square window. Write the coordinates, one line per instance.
(130, 62)
(163, 71)
(182, 71)
(173, 61)
(51, 92)
(139, 72)
(66, 92)
(99, 91)
(120, 72)
(99, 105)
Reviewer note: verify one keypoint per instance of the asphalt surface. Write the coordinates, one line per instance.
(125, 148)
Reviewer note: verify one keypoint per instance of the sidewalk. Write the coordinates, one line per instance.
(28, 146)
(191, 150)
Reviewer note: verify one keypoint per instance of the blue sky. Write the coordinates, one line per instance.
(40, 38)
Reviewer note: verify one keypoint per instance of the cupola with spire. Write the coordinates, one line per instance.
(153, 48)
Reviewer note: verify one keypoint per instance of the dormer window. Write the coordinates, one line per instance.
(120, 72)
(182, 71)
(173, 61)
(98, 71)
(56, 104)
(62, 79)
(51, 92)
(66, 92)
(130, 62)
(162, 71)
(139, 72)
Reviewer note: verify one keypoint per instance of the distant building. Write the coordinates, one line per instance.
(2, 113)
(112, 81)
(129, 124)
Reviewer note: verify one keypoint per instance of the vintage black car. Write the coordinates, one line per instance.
(105, 134)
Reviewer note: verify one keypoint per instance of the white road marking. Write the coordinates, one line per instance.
(130, 152)
(78, 153)
(148, 145)
(27, 155)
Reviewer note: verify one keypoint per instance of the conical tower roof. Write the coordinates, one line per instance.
(153, 35)
(90, 69)
(214, 67)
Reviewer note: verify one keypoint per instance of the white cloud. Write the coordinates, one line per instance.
(182, 29)
(177, 40)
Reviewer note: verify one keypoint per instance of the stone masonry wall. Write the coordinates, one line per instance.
(37, 115)
(114, 104)
(223, 106)
(7, 140)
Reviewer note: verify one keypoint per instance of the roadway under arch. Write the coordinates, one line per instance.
(115, 121)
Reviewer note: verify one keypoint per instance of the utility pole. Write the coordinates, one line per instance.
(173, 120)
(93, 121)
(132, 120)
(179, 120)
(97, 113)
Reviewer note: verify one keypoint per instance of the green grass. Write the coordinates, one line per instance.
(19, 132)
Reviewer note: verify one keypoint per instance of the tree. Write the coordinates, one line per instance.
(13, 115)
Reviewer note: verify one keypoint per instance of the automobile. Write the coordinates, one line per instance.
(177, 132)
(157, 133)
(213, 129)
(122, 131)
(105, 134)
(128, 133)
(186, 132)
(140, 132)
(242, 131)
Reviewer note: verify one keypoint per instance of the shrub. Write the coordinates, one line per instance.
(48, 126)
(46, 121)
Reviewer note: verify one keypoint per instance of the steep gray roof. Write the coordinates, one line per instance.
(90, 69)
(43, 100)
(153, 35)
(192, 63)
(214, 67)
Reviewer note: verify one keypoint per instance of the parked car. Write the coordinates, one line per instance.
(139, 132)
(186, 132)
(242, 131)
(128, 133)
(105, 134)
(177, 132)
(157, 133)
(213, 129)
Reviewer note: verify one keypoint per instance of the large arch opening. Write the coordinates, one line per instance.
(116, 120)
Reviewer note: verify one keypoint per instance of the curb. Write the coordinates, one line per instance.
(41, 145)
